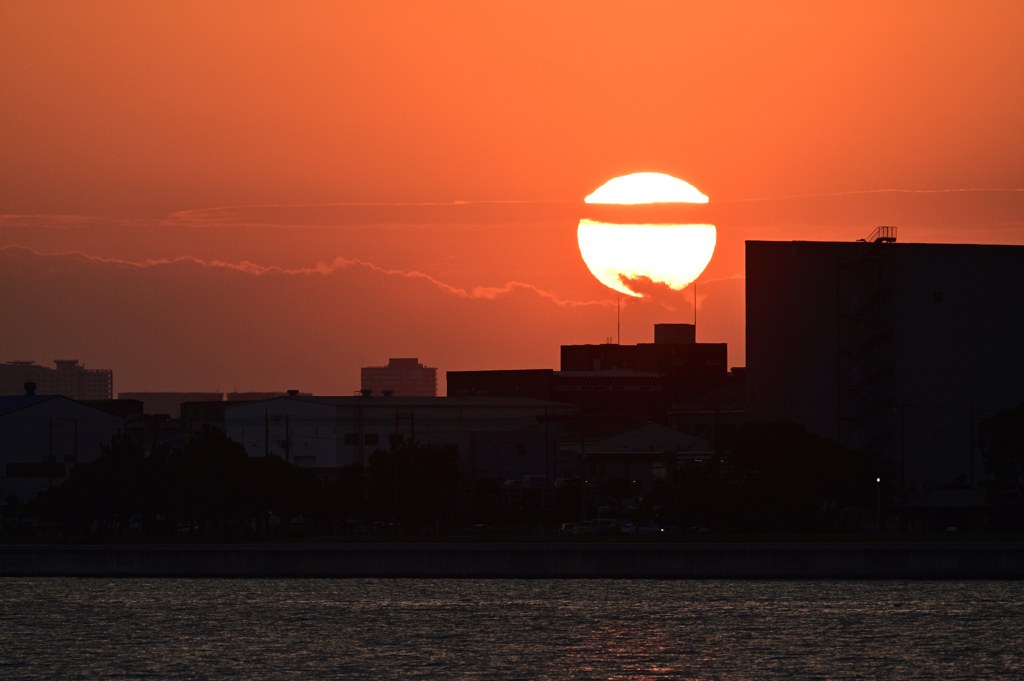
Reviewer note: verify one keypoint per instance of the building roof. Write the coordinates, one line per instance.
(16, 402)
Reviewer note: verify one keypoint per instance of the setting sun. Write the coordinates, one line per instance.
(671, 254)
(646, 188)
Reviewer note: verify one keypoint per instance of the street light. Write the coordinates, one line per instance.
(878, 503)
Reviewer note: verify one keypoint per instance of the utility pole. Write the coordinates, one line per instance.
(266, 433)
(878, 503)
(903, 441)
(618, 320)
(287, 444)
(74, 452)
(49, 457)
(972, 445)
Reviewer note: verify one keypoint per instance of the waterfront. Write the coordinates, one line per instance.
(557, 629)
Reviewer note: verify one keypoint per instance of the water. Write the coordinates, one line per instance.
(547, 629)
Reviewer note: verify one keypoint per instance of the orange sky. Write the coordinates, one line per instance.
(124, 125)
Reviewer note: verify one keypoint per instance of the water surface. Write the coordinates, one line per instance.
(547, 629)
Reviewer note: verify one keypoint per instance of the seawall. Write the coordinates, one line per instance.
(638, 561)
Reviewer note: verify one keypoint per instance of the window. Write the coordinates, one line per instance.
(370, 439)
(352, 439)
(658, 470)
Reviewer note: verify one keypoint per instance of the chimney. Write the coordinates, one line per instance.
(388, 393)
(365, 392)
(293, 393)
(30, 389)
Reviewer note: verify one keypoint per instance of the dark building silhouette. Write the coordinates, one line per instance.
(251, 396)
(42, 437)
(69, 379)
(403, 377)
(123, 408)
(899, 348)
(169, 403)
(641, 380)
(497, 437)
(535, 384)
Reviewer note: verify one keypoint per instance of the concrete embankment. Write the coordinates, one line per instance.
(654, 561)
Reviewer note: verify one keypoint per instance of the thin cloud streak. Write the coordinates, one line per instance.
(322, 268)
(866, 192)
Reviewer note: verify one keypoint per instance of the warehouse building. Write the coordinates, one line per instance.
(497, 437)
(898, 347)
(42, 437)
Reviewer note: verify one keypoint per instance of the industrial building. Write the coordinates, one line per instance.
(902, 348)
(43, 436)
(641, 381)
(69, 379)
(402, 377)
(497, 437)
(167, 402)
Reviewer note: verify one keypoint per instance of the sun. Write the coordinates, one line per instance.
(646, 188)
(670, 254)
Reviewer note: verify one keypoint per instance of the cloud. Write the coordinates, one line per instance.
(340, 214)
(186, 323)
(339, 263)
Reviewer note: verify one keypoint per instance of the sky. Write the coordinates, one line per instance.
(267, 196)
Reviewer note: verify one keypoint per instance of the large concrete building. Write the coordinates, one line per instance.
(69, 379)
(402, 377)
(898, 347)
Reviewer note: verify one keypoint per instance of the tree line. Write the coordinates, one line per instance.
(774, 477)
(209, 488)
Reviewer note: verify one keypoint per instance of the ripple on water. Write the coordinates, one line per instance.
(551, 629)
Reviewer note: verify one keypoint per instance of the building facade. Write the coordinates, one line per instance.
(642, 381)
(43, 437)
(497, 437)
(402, 377)
(69, 379)
(898, 348)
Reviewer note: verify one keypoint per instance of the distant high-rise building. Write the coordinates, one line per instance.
(69, 379)
(403, 377)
